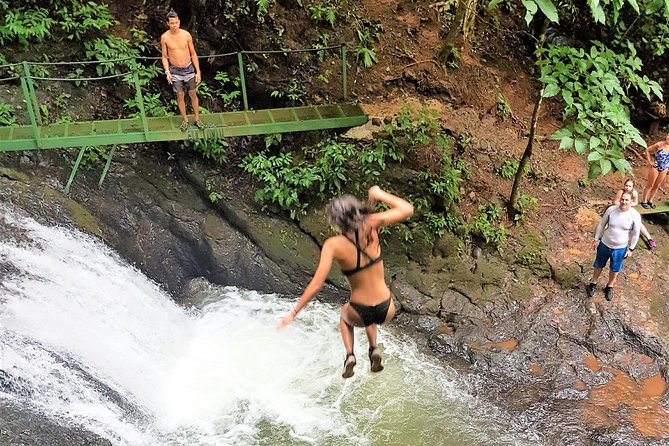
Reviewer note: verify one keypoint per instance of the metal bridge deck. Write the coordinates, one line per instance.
(218, 125)
(660, 208)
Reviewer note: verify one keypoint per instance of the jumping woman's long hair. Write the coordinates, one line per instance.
(348, 215)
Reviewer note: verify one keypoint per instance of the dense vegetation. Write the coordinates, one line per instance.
(598, 79)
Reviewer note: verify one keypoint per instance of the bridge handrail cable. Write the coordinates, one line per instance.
(211, 56)
(123, 59)
(80, 79)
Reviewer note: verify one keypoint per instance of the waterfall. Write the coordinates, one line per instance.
(87, 340)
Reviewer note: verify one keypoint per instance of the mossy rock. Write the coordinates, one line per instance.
(569, 275)
(412, 300)
(529, 249)
(421, 246)
(13, 175)
(315, 224)
(280, 240)
(448, 246)
(80, 216)
(430, 284)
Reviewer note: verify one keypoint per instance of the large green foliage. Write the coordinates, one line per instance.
(595, 86)
(28, 22)
(647, 29)
(291, 180)
(110, 49)
(320, 171)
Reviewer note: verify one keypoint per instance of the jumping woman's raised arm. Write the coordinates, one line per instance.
(400, 209)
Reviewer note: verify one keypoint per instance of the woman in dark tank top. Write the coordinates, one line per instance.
(358, 253)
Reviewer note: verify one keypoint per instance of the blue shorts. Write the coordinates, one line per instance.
(604, 253)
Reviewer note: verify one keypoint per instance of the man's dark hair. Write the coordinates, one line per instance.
(172, 15)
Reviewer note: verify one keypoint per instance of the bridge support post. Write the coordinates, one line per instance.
(107, 165)
(31, 90)
(31, 113)
(74, 170)
(242, 80)
(31, 103)
(140, 103)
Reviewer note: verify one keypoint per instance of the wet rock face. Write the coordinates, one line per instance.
(164, 224)
(22, 427)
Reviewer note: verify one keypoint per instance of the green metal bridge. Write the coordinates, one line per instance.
(661, 207)
(39, 134)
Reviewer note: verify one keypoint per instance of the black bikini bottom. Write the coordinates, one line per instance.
(372, 315)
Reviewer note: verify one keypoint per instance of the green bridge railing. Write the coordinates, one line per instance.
(33, 107)
(39, 134)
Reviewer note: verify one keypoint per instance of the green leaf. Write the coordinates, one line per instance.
(549, 10)
(599, 15)
(594, 156)
(531, 9)
(551, 90)
(634, 5)
(580, 144)
(657, 90)
(621, 165)
(655, 5)
(605, 166)
(594, 142)
(594, 171)
(567, 98)
(560, 134)
(567, 142)
(636, 137)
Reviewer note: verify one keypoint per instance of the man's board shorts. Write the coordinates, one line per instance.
(661, 161)
(183, 78)
(604, 254)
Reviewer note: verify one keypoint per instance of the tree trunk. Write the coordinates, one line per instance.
(460, 29)
(512, 205)
(513, 208)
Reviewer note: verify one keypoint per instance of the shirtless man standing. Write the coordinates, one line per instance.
(182, 67)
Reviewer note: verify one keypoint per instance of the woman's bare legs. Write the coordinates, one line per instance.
(371, 331)
(659, 179)
(346, 335)
(650, 181)
(349, 319)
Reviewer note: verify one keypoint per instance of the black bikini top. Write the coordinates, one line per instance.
(358, 268)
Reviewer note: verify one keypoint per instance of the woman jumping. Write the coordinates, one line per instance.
(358, 253)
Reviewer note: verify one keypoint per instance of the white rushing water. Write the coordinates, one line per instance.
(88, 340)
